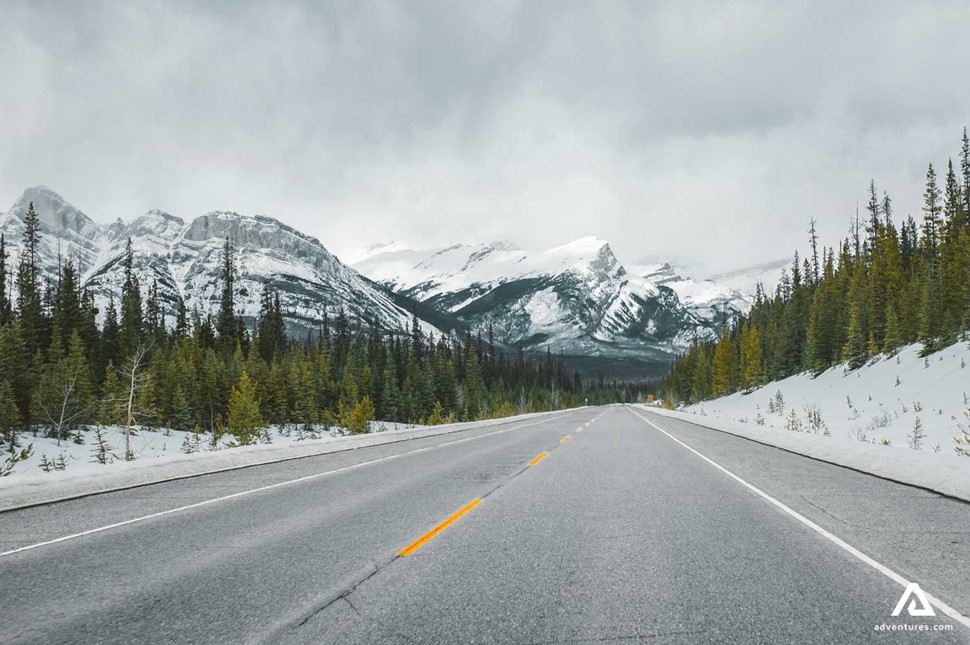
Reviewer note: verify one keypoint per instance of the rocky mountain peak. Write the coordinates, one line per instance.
(54, 212)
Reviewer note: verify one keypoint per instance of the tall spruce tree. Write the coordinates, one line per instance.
(132, 326)
(227, 327)
(4, 294)
(29, 300)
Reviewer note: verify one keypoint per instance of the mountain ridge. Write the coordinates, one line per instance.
(184, 258)
(578, 297)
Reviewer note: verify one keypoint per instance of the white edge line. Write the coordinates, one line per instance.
(265, 488)
(878, 566)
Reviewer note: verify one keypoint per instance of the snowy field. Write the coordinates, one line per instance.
(152, 445)
(880, 403)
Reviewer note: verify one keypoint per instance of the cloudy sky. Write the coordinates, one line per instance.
(703, 132)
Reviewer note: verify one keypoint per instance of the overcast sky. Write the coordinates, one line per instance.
(705, 132)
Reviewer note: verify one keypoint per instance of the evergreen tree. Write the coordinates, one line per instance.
(965, 173)
(4, 295)
(754, 373)
(29, 302)
(132, 325)
(725, 365)
(227, 327)
(893, 339)
(9, 417)
(243, 418)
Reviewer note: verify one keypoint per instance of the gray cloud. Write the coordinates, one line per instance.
(709, 132)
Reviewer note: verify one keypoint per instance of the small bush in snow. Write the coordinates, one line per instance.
(101, 451)
(7, 465)
(814, 416)
(848, 401)
(777, 404)
(917, 435)
(50, 465)
(897, 381)
(886, 442)
(793, 423)
(881, 420)
(760, 420)
(193, 442)
(917, 406)
(962, 440)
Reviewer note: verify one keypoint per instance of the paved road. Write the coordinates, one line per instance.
(619, 533)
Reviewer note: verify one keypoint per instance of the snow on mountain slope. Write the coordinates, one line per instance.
(706, 299)
(65, 231)
(746, 280)
(879, 401)
(578, 296)
(185, 259)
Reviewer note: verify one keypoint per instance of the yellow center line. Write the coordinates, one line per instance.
(417, 544)
(565, 439)
(538, 459)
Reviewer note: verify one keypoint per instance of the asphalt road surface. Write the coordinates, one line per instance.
(595, 525)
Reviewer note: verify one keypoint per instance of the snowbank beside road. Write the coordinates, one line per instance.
(945, 473)
(21, 490)
(877, 403)
(868, 414)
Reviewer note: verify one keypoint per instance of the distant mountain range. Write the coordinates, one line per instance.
(185, 259)
(577, 298)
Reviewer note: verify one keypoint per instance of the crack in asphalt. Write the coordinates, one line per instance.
(296, 624)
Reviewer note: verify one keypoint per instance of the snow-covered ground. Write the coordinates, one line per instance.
(159, 456)
(155, 445)
(879, 403)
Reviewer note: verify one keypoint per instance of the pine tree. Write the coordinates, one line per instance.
(932, 223)
(9, 416)
(700, 382)
(893, 339)
(725, 365)
(965, 173)
(243, 418)
(110, 408)
(29, 304)
(873, 224)
(132, 324)
(754, 373)
(855, 352)
(4, 295)
(227, 326)
(15, 369)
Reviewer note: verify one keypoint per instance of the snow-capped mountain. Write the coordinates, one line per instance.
(578, 297)
(185, 258)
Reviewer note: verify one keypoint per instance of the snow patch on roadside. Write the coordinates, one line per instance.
(879, 401)
(948, 474)
(42, 487)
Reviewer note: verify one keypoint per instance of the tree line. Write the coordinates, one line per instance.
(65, 366)
(885, 286)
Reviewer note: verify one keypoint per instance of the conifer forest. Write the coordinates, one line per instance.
(66, 366)
(891, 282)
